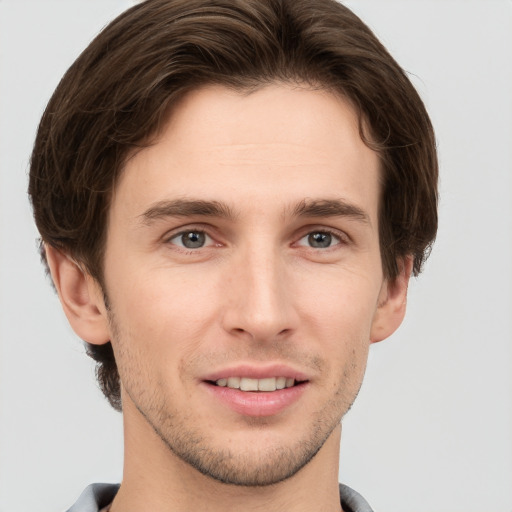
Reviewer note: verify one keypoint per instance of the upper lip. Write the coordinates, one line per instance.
(255, 371)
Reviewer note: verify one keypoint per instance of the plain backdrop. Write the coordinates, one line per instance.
(432, 428)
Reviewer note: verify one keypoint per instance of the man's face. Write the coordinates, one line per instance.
(243, 250)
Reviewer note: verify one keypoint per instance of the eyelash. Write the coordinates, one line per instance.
(175, 236)
(340, 237)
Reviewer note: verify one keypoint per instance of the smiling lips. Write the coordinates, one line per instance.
(250, 391)
(248, 384)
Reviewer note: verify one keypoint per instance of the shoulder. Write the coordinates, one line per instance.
(95, 497)
(352, 501)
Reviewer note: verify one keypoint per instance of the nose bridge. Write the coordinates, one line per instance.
(260, 304)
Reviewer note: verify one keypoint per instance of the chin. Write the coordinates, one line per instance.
(269, 460)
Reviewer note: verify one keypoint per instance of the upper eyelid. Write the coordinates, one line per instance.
(177, 245)
(177, 234)
(339, 233)
(342, 239)
(184, 231)
(214, 234)
(200, 228)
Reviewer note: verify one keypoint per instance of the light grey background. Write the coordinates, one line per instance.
(432, 428)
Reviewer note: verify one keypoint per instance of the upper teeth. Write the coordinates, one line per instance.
(247, 384)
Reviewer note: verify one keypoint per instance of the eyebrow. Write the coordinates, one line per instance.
(203, 208)
(330, 208)
(186, 208)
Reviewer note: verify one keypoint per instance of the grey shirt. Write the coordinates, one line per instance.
(97, 496)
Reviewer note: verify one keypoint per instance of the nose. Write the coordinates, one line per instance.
(259, 293)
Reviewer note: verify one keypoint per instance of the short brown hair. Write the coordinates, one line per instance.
(118, 93)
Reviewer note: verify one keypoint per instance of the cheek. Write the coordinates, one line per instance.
(162, 314)
(156, 330)
(340, 304)
(338, 317)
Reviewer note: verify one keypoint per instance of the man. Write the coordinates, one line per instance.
(232, 196)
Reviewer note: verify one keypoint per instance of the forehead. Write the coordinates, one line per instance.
(277, 145)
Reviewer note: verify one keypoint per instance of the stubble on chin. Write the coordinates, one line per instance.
(246, 468)
(191, 442)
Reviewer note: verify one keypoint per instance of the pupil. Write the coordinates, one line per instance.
(320, 239)
(193, 239)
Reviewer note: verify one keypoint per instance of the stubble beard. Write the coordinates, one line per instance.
(270, 466)
(188, 443)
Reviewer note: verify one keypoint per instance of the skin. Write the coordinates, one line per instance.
(260, 290)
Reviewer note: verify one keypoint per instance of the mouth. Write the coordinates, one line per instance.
(257, 390)
(247, 384)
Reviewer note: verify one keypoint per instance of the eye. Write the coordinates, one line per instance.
(320, 240)
(192, 239)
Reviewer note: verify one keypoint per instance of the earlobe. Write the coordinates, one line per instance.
(80, 296)
(392, 303)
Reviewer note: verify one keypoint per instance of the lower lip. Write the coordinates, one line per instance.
(257, 403)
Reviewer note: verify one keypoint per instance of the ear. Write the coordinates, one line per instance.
(392, 303)
(81, 297)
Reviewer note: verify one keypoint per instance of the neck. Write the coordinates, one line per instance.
(156, 479)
